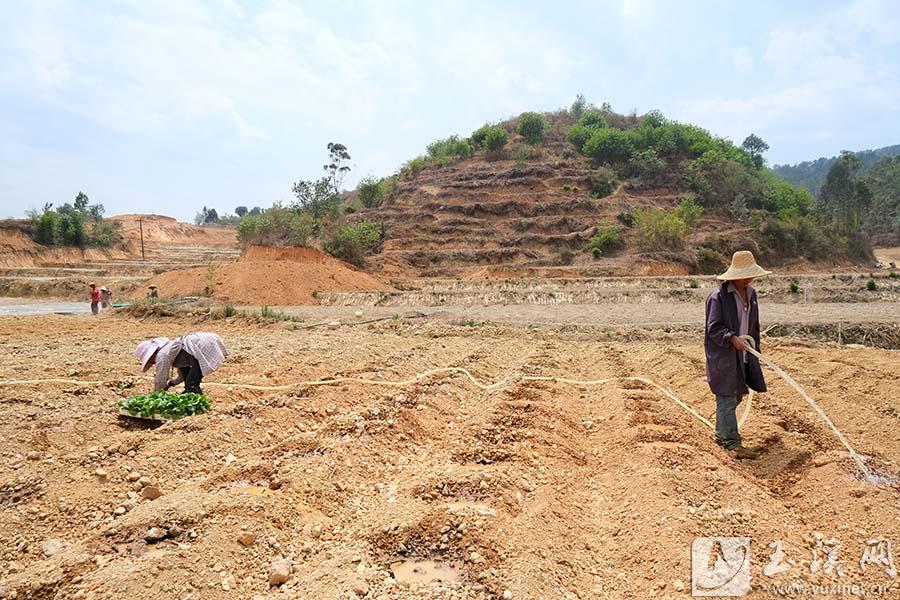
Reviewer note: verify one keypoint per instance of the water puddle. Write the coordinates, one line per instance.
(461, 506)
(250, 490)
(45, 308)
(424, 571)
(879, 477)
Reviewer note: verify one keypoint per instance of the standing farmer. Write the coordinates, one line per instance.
(193, 355)
(105, 297)
(732, 311)
(95, 298)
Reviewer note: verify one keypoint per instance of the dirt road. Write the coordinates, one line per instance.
(538, 490)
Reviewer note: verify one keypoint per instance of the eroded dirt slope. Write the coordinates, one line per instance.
(544, 490)
(161, 231)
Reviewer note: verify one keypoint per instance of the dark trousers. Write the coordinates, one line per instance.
(726, 420)
(192, 376)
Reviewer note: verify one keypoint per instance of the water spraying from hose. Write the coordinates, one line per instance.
(867, 475)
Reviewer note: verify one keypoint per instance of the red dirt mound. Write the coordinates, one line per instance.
(269, 276)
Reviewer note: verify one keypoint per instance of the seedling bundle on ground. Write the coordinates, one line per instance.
(166, 405)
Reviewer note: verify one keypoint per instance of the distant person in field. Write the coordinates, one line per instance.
(193, 356)
(95, 298)
(153, 293)
(105, 297)
(732, 311)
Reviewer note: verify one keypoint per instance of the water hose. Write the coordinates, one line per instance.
(790, 381)
(526, 378)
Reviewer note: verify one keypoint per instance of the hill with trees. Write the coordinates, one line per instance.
(78, 225)
(878, 170)
(811, 173)
(580, 191)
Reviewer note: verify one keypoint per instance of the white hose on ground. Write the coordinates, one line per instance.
(502, 383)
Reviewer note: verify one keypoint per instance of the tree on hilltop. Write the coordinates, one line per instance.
(755, 146)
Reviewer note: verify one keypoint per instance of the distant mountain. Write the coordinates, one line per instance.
(811, 173)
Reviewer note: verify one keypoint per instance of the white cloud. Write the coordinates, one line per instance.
(161, 65)
(827, 69)
(506, 67)
(634, 10)
(742, 60)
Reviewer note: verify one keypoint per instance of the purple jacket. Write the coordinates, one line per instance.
(723, 362)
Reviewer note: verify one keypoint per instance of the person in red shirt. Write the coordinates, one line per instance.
(95, 298)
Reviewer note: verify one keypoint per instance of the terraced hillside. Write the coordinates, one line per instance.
(505, 219)
(532, 209)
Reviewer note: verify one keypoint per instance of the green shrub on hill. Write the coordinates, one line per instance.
(47, 227)
(531, 126)
(413, 166)
(276, 226)
(689, 210)
(578, 134)
(477, 137)
(80, 224)
(352, 242)
(495, 139)
(371, 191)
(449, 148)
(778, 195)
(593, 118)
(647, 164)
(609, 144)
(607, 238)
(654, 118)
(791, 234)
(659, 229)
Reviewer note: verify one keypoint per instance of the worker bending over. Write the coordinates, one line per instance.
(732, 311)
(193, 355)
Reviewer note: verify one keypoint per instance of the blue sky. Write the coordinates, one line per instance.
(165, 105)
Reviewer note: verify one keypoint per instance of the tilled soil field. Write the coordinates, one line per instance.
(437, 489)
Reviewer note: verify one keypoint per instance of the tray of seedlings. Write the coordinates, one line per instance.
(163, 406)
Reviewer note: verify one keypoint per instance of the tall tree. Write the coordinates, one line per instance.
(240, 211)
(579, 106)
(81, 201)
(212, 216)
(337, 166)
(756, 147)
(844, 196)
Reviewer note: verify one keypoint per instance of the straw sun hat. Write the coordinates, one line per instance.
(743, 266)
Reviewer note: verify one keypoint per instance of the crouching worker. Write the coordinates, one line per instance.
(193, 355)
(732, 311)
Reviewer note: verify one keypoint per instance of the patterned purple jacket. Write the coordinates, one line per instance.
(724, 370)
